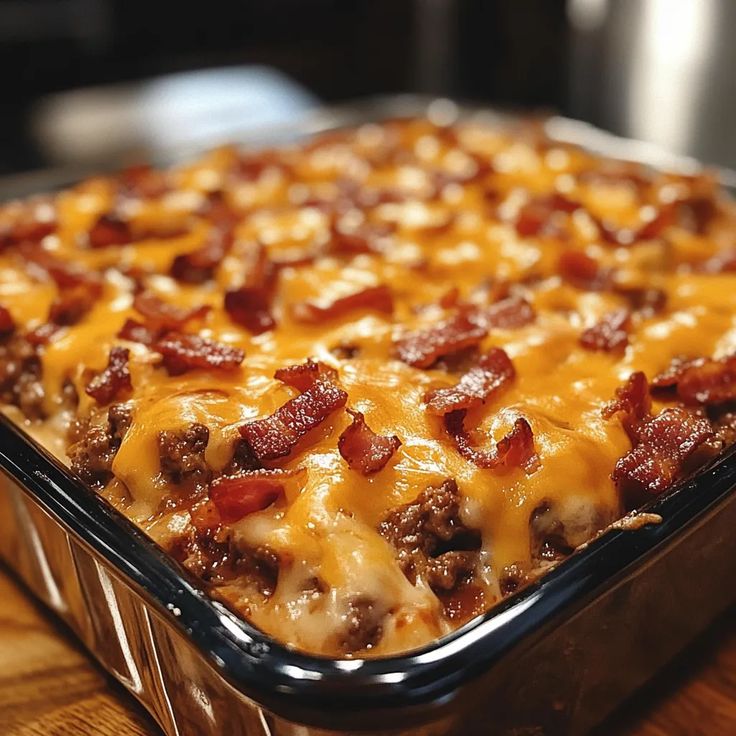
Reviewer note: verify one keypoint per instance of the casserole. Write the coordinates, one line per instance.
(381, 680)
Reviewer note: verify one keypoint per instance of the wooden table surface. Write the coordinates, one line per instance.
(50, 687)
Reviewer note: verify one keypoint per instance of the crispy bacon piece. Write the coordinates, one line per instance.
(632, 400)
(276, 436)
(237, 496)
(364, 450)
(142, 180)
(376, 298)
(363, 239)
(700, 381)
(27, 228)
(303, 375)
(161, 315)
(583, 272)
(506, 314)
(7, 323)
(534, 217)
(113, 380)
(42, 334)
(136, 332)
(610, 334)
(665, 448)
(199, 265)
(65, 275)
(71, 304)
(647, 301)
(423, 348)
(515, 450)
(494, 370)
(109, 230)
(182, 352)
(250, 306)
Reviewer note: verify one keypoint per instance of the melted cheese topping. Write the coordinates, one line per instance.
(459, 233)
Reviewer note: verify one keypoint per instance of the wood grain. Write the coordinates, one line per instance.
(50, 687)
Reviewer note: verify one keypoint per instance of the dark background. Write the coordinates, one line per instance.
(659, 70)
(511, 52)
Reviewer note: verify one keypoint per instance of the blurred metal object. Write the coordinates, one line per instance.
(658, 70)
(104, 125)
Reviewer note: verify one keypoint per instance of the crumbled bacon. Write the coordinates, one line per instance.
(376, 298)
(665, 448)
(647, 301)
(182, 352)
(142, 180)
(535, 216)
(610, 334)
(199, 265)
(277, 435)
(493, 370)
(65, 275)
(250, 306)
(70, 305)
(137, 332)
(113, 380)
(363, 239)
(364, 450)
(514, 450)
(423, 348)
(109, 230)
(632, 400)
(161, 315)
(700, 381)
(27, 228)
(303, 375)
(583, 272)
(42, 334)
(7, 323)
(506, 314)
(237, 496)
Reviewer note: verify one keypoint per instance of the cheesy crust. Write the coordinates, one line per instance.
(362, 386)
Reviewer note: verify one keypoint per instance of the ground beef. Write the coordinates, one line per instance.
(95, 446)
(219, 561)
(363, 626)
(181, 453)
(547, 535)
(20, 376)
(431, 541)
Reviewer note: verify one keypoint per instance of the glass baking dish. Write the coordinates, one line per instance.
(555, 658)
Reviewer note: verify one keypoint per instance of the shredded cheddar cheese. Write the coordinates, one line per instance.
(394, 257)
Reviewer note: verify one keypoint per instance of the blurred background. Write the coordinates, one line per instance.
(98, 82)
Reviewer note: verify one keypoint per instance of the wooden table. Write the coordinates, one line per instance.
(50, 687)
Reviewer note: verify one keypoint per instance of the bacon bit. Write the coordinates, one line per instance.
(610, 334)
(276, 436)
(657, 225)
(364, 450)
(7, 323)
(136, 332)
(109, 230)
(142, 180)
(696, 213)
(304, 375)
(450, 298)
(663, 448)
(238, 496)
(363, 239)
(182, 353)
(421, 349)
(648, 301)
(42, 334)
(516, 449)
(199, 265)
(700, 381)
(205, 517)
(507, 314)
(583, 272)
(107, 384)
(70, 305)
(494, 370)
(27, 230)
(535, 216)
(64, 275)
(632, 399)
(161, 315)
(375, 298)
(250, 306)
